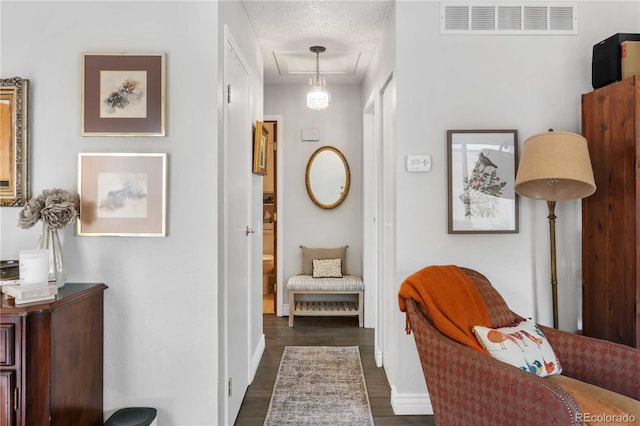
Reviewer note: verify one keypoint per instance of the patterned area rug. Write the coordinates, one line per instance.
(319, 385)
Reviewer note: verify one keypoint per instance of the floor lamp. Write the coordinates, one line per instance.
(555, 166)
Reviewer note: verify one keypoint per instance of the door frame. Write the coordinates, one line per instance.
(378, 159)
(370, 189)
(279, 119)
(386, 228)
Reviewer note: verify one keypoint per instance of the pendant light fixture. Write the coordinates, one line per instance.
(318, 97)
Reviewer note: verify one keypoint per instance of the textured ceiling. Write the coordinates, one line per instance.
(350, 30)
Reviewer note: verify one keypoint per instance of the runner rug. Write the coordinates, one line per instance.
(319, 385)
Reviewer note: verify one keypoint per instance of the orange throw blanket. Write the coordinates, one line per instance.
(451, 300)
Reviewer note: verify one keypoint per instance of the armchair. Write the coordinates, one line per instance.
(469, 387)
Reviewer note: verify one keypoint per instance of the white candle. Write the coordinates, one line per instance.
(34, 267)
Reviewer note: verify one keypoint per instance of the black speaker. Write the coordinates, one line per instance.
(606, 63)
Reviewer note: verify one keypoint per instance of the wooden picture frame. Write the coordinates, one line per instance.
(260, 149)
(123, 94)
(15, 182)
(122, 194)
(481, 173)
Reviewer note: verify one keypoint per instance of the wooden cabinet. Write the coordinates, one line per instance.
(610, 221)
(51, 359)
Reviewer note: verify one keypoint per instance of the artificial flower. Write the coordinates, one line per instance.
(56, 207)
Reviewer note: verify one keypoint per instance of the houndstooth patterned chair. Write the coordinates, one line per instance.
(467, 387)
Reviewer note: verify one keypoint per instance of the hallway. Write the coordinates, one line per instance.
(319, 331)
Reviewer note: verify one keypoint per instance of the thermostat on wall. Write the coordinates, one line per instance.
(418, 163)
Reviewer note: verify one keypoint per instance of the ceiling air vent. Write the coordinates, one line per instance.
(544, 18)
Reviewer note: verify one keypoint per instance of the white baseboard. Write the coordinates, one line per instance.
(257, 356)
(408, 404)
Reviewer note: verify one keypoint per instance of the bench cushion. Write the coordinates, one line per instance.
(308, 283)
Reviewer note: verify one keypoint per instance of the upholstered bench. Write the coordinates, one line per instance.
(306, 284)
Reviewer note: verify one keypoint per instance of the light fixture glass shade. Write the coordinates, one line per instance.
(555, 166)
(318, 97)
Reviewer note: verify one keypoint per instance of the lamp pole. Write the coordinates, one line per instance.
(554, 277)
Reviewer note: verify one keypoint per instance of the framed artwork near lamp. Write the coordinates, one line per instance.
(260, 149)
(122, 194)
(123, 94)
(14, 142)
(481, 169)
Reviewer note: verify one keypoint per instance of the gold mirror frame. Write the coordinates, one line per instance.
(14, 142)
(347, 183)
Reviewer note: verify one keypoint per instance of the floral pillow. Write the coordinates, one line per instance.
(327, 268)
(522, 345)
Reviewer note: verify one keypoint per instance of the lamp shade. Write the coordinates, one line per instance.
(555, 166)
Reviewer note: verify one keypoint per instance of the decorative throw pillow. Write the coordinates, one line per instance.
(327, 268)
(522, 345)
(308, 254)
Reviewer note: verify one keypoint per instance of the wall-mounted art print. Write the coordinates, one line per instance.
(123, 94)
(260, 149)
(122, 194)
(14, 142)
(481, 175)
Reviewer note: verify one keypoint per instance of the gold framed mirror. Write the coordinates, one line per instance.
(14, 142)
(327, 177)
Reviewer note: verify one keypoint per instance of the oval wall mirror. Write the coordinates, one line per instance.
(327, 177)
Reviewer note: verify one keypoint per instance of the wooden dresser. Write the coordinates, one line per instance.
(610, 217)
(51, 359)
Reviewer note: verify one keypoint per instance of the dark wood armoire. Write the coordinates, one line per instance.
(610, 221)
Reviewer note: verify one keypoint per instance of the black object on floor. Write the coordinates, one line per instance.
(133, 416)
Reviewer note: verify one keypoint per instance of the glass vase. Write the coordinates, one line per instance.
(49, 239)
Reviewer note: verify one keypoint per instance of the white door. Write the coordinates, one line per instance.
(237, 182)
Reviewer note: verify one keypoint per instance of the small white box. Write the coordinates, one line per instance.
(310, 135)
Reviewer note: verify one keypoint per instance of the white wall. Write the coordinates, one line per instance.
(160, 346)
(530, 83)
(340, 126)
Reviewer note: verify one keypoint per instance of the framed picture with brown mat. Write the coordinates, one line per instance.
(123, 94)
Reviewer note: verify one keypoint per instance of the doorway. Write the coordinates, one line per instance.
(270, 223)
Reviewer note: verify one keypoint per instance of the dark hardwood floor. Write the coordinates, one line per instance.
(320, 331)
